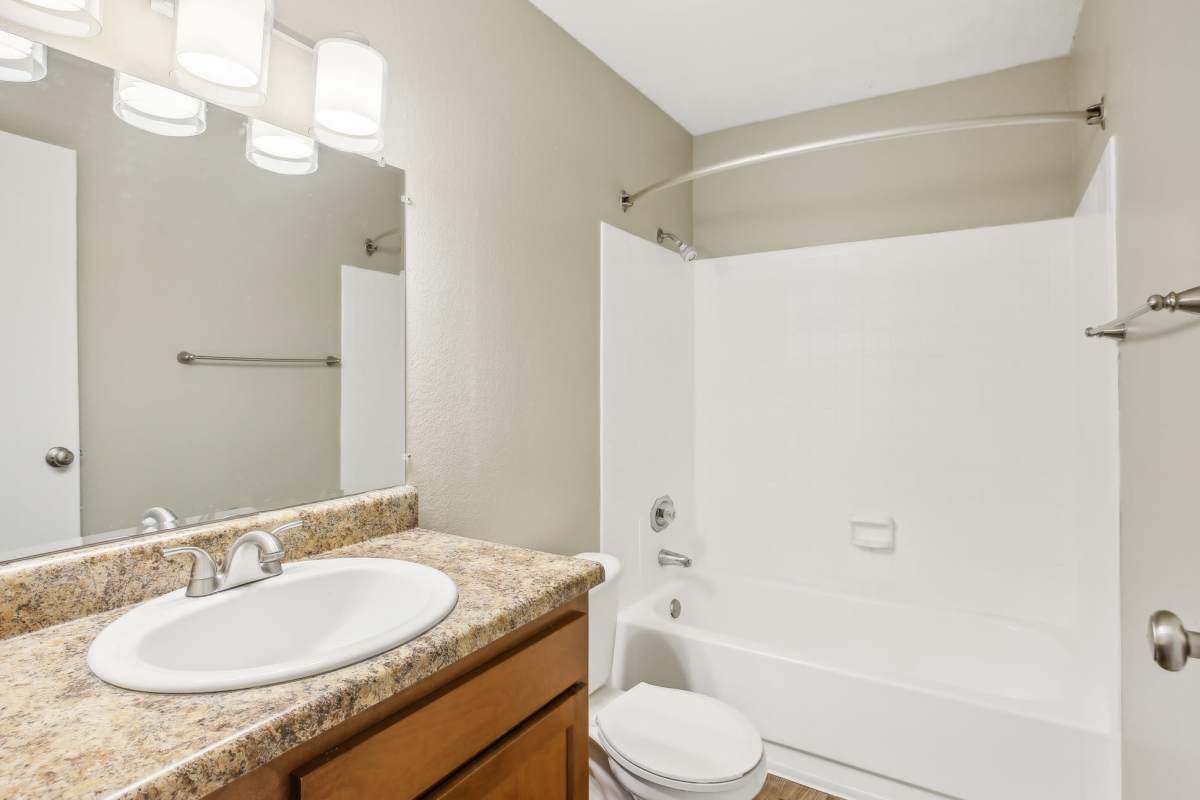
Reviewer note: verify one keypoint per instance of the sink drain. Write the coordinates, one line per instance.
(676, 609)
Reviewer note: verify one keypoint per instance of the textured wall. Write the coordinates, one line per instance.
(515, 141)
(933, 183)
(1143, 57)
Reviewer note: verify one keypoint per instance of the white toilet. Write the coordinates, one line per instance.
(654, 743)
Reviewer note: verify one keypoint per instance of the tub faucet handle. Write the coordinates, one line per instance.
(662, 513)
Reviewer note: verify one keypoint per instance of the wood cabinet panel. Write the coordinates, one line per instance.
(407, 754)
(538, 759)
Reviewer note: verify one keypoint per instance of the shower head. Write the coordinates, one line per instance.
(685, 250)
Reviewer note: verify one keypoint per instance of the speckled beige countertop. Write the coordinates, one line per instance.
(66, 734)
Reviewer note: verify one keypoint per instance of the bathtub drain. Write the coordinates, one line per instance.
(676, 609)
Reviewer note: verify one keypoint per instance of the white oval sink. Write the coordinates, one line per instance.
(316, 616)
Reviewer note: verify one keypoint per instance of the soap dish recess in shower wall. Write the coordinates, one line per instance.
(873, 531)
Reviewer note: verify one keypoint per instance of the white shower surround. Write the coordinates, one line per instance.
(942, 380)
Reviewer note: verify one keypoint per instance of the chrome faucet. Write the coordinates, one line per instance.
(669, 558)
(254, 556)
(157, 519)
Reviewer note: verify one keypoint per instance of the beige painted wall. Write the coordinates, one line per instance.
(184, 245)
(1143, 56)
(515, 141)
(921, 185)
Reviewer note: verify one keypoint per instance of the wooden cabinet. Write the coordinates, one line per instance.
(540, 759)
(509, 721)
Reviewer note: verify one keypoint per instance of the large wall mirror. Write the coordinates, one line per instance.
(130, 240)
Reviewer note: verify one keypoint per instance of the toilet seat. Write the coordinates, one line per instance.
(745, 788)
(680, 740)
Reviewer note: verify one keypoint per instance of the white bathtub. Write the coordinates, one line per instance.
(876, 700)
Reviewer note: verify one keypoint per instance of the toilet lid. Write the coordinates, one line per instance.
(680, 735)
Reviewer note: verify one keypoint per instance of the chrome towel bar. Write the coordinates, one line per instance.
(184, 357)
(1188, 300)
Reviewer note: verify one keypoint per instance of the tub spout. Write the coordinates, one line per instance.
(669, 558)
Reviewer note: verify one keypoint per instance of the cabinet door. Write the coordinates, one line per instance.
(546, 758)
(404, 756)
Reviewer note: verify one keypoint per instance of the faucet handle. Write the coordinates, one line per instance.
(287, 526)
(204, 571)
(202, 563)
(270, 548)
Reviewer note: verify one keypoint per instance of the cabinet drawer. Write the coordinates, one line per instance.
(543, 758)
(408, 754)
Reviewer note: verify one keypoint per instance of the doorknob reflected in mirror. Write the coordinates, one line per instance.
(1172, 643)
(60, 457)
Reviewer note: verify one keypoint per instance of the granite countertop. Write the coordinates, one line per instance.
(65, 733)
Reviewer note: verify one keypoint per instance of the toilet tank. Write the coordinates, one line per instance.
(602, 620)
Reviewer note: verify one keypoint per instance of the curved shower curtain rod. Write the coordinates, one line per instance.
(1093, 115)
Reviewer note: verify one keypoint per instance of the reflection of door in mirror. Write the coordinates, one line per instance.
(372, 402)
(40, 404)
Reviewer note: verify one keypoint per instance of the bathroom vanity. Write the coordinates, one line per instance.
(494, 695)
(511, 717)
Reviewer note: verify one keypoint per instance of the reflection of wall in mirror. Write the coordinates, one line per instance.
(183, 245)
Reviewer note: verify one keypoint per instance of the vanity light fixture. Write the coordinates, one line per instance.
(349, 99)
(75, 18)
(21, 61)
(279, 150)
(157, 109)
(223, 49)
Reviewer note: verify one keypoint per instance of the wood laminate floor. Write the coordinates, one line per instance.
(777, 788)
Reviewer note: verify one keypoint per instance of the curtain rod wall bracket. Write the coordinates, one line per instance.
(1187, 300)
(1115, 332)
(1092, 115)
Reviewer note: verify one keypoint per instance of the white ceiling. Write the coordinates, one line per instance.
(713, 64)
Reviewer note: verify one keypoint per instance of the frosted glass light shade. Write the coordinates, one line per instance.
(350, 95)
(223, 48)
(157, 109)
(21, 61)
(279, 150)
(77, 18)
